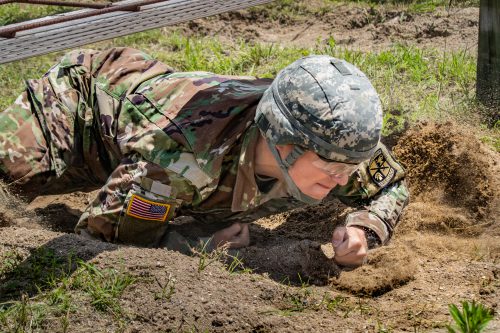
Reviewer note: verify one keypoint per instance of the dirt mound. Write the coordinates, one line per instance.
(387, 268)
(453, 179)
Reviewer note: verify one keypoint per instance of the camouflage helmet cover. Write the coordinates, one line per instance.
(322, 104)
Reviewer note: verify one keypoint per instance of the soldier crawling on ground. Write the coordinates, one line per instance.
(162, 144)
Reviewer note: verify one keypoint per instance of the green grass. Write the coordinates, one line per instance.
(167, 289)
(104, 286)
(424, 5)
(38, 272)
(235, 265)
(413, 83)
(9, 260)
(13, 13)
(472, 318)
(51, 288)
(337, 304)
(207, 256)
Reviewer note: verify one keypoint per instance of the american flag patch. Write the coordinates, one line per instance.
(147, 210)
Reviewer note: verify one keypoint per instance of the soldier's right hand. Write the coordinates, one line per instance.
(235, 236)
(350, 245)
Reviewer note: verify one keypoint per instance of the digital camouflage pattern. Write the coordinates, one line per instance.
(326, 105)
(173, 143)
(322, 104)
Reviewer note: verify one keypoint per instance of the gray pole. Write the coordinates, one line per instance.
(488, 60)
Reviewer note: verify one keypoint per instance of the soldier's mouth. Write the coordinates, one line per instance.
(325, 186)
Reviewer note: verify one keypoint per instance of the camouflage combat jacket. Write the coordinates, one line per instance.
(165, 144)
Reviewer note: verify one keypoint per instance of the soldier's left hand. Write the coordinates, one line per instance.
(235, 236)
(350, 246)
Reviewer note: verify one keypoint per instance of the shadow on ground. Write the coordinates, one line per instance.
(34, 269)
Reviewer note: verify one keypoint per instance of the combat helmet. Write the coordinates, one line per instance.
(322, 104)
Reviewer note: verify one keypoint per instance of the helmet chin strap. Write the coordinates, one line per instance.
(284, 166)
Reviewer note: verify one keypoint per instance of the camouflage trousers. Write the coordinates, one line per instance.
(26, 163)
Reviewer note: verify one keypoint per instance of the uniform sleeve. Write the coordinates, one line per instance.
(75, 118)
(136, 204)
(380, 190)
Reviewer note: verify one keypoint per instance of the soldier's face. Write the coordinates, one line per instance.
(311, 177)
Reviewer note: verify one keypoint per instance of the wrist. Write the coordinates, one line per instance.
(372, 239)
(369, 221)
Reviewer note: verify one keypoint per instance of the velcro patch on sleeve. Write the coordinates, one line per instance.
(147, 210)
(380, 169)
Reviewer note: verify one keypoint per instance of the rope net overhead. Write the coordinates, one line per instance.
(99, 21)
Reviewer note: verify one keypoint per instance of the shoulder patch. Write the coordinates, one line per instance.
(147, 209)
(380, 169)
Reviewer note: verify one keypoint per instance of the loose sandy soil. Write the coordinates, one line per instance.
(446, 248)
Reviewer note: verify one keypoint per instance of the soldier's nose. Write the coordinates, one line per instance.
(339, 179)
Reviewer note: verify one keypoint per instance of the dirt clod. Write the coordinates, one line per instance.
(387, 268)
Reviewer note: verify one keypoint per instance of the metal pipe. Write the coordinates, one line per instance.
(59, 3)
(10, 32)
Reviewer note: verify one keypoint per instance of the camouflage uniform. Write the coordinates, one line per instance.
(161, 144)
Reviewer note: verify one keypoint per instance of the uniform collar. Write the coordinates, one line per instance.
(246, 194)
